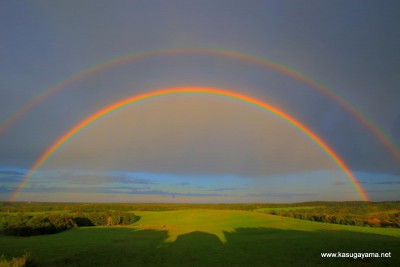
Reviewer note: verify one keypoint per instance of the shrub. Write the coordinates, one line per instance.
(105, 218)
(25, 260)
(40, 225)
(61, 222)
(82, 221)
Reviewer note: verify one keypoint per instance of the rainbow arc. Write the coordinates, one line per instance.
(192, 90)
(382, 137)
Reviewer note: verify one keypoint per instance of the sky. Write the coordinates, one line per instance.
(330, 65)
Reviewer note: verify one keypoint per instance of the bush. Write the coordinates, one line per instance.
(40, 225)
(25, 260)
(104, 218)
(82, 221)
(61, 222)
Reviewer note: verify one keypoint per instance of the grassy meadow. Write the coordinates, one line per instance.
(207, 237)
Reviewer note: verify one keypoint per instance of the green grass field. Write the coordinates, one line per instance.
(289, 208)
(209, 238)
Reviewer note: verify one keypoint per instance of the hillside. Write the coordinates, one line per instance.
(209, 238)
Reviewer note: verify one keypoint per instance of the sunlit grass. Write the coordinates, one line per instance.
(217, 222)
(289, 208)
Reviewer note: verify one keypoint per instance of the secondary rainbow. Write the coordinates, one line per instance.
(194, 90)
(383, 138)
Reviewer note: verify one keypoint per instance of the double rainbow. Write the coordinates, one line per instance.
(384, 139)
(192, 90)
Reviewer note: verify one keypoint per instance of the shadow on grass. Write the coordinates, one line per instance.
(273, 247)
(244, 247)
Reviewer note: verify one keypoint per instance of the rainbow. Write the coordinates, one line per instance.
(383, 138)
(191, 90)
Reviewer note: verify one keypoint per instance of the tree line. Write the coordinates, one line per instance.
(27, 225)
(375, 219)
(358, 206)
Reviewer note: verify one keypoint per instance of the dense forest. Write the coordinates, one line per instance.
(21, 224)
(379, 219)
(379, 214)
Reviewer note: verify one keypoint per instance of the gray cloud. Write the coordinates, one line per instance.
(6, 189)
(141, 191)
(124, 189)
(340, 183)
(183, 183)
(378, 181)
(11, 172)
(110, 190)
(59, 189)
(385, 182)
(11, 179)
(281, 195)
(128, 180)
(221, 189)
(102, 179)
(382, 191)
(11, 176)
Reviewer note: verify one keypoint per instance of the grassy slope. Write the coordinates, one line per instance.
(209, 238)
(290, 208)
